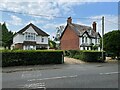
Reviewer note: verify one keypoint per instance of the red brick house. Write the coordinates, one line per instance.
(79, 37)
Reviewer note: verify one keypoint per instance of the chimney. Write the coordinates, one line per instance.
(94, 26)
(69, 20)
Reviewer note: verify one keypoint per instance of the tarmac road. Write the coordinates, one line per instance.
(87, 75)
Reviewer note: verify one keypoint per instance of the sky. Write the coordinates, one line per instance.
(47, 15)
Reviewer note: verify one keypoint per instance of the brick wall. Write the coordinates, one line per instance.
(19, 45)
(69, 40)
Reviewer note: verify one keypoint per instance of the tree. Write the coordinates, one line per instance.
(111, 42)
(58, 33)
(52, 44)
(0, 35)
(59, 29)
(7, 37)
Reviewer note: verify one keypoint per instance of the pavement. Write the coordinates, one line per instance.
(67, 61)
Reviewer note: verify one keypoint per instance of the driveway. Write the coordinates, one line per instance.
(72, 61)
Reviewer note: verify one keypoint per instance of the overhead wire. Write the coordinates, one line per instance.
(7, 11)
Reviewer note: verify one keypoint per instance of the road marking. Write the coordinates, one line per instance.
(109, 73)
(53, 78)
(34, 85)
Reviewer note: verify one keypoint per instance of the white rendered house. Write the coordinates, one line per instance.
(30, 38)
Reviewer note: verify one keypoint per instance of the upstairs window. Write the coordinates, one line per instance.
(42, 39)
(82, 39)
(30, 36)
(86, 39)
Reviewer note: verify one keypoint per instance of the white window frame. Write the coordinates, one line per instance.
(42, 39)
(30, 36)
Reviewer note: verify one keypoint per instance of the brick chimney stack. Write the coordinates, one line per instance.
(94, 26)
(69, 20)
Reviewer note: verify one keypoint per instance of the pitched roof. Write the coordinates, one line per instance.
(81, 29)
(38, 30)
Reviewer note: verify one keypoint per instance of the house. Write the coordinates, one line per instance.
(30, 38)
(79, 37)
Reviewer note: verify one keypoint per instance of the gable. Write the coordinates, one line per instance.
(85, 34)
(68, 27)
(30, 30)
(69, 34)
(32, 27)
(98, 35)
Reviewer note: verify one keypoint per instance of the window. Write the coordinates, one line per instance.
(82, 39)
(42, 39)
(30, 36)
(90, 40)
(29, 47)
(96, 40)
(86, 39)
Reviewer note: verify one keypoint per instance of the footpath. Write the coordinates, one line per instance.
(67, 62)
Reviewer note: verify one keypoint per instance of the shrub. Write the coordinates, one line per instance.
(85, 55)
(31, 57)
(93, 56)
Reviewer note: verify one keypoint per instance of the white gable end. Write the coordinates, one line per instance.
(30, 30)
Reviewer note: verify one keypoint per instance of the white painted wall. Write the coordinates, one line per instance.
(30, 30)
(39, 39)
(93, 41)
(19, 38)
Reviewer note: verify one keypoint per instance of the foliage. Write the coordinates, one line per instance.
(87, 56)
(58, 33)
(95, 47)
(7, 37)
(31, 57)
(52, 44)
(111, 42)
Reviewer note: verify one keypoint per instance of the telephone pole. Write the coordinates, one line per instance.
(102, 37)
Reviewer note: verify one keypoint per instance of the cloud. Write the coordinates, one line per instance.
(110, 22)
(45, 9)
(41, 8)
(15, 20)
(59, 8)
(61, 0)
(52, 27)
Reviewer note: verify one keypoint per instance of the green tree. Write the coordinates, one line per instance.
(58, 33)
(111, 42)
(0, 35)
(7, 37)
(52, 44)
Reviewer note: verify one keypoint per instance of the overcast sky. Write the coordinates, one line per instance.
(49, 13)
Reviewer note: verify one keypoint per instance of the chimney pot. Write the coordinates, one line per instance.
(69, 20)
(94, 26)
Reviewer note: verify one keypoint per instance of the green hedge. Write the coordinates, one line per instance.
(31, 57)
(85, 55)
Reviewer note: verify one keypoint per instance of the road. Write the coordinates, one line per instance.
(92, 75)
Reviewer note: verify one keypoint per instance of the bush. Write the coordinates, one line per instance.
(88, 56)
(31, 57)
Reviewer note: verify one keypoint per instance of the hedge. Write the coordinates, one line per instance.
(86, 55)
(31, 57)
